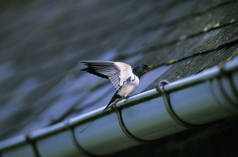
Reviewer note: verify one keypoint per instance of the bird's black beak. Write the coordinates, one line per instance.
(148, 68)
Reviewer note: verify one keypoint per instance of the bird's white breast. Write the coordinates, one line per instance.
(128, 80)
(129, 87)
(125, 71)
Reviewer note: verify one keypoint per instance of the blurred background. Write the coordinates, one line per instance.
(42, 42)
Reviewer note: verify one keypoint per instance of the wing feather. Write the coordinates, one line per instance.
(105, 69)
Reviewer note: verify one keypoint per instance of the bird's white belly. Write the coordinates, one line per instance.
(127, 89)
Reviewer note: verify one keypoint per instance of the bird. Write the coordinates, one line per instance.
(123, 76)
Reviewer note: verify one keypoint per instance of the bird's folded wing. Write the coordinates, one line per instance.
(105, 69)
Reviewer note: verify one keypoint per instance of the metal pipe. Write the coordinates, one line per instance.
(199, 99)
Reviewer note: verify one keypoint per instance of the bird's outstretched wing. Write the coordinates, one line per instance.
(116, 72)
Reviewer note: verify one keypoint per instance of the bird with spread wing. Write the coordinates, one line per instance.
(123, 77)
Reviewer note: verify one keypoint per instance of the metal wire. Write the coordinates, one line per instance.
(169, 108)
(79, 147)
(33, 144)
(228, 75)
(124, 128)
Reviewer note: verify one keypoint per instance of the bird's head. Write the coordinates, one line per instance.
(141, 69)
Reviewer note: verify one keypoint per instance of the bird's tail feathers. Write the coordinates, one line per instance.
(114, 98)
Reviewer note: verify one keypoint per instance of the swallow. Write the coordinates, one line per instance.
(123, 77)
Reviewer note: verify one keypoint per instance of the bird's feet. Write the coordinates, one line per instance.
(111, 106)
(126, 98)
(108, 108)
